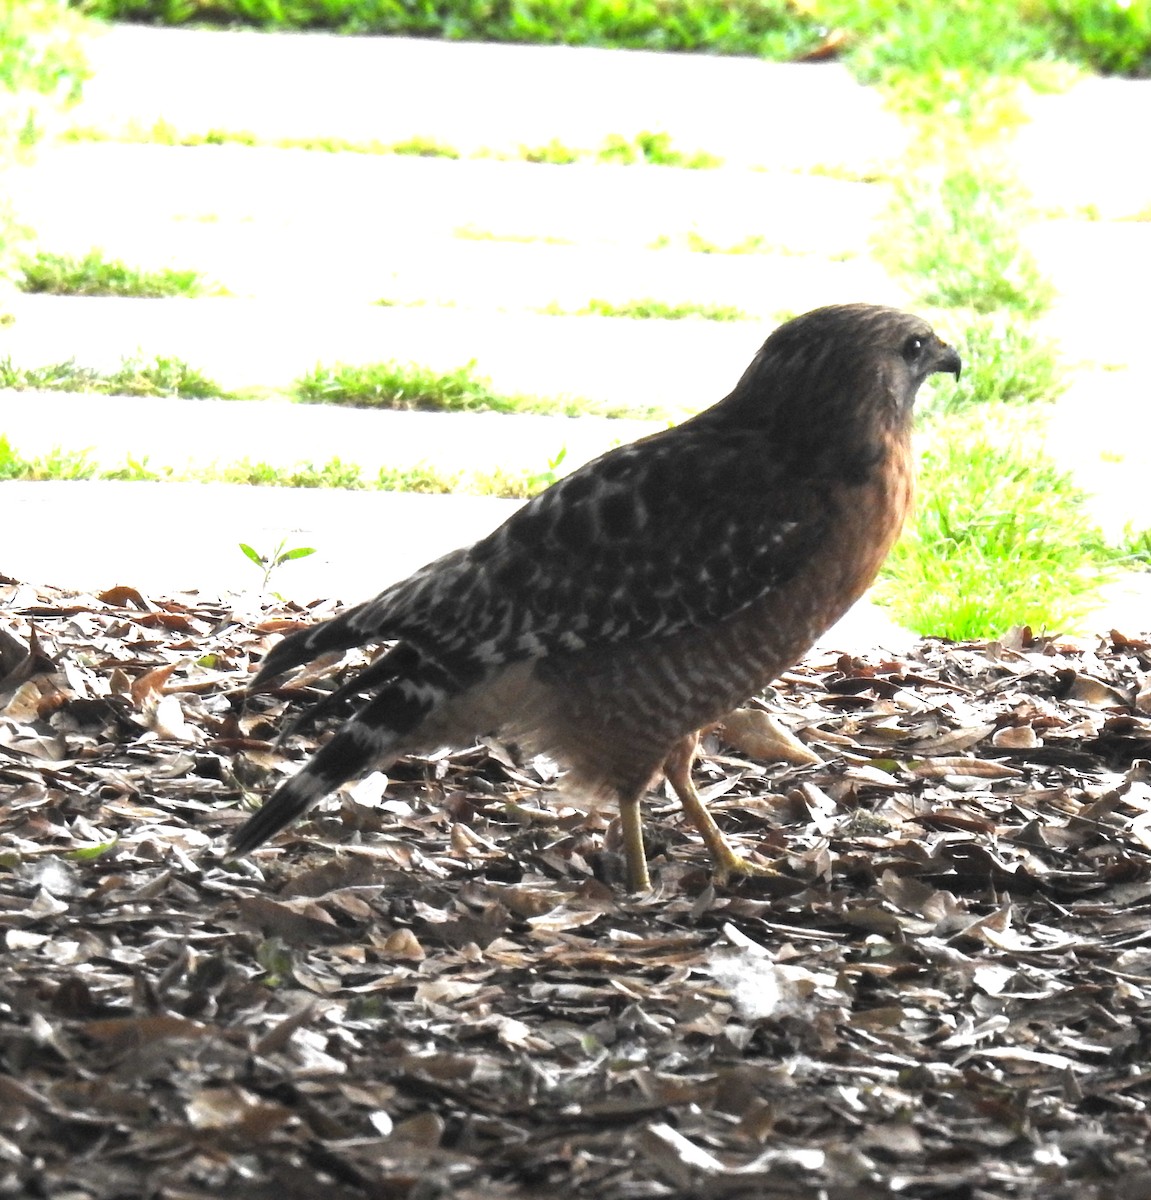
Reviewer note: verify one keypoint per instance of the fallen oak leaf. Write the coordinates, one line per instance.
(125, 1033)
(1016, 737)
(284, 625)
(209, 683)
(174, 621)
(403, 943)
(124, 597)
(759, 735)
(26, 704)
(166, 720)
(958, 739)
(680, 1159)
(954, 818)
(20, 664)
(12, 654)
(296, 922)
(973, 768)
(278, 1037)
(231, 1109)
(151, 683)
(1074, 685)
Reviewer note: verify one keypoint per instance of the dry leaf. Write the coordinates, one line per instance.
(1016, 737)
(759, 735)
(948, 947)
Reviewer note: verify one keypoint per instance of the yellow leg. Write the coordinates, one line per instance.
(677, 768)
(635, 857)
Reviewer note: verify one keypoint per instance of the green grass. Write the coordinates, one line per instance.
(1000, 538)
(651, 309)
(769, 28)
(373, 385)
(947, 62)
(555, 153)
(163, 133)
(647, 147)
(1111, 37)
(79, 465)
(1134, 548)
(655, 149)
(754, 243)
(95, 275)
(884, 38)
(392, 302)
(42, 68)
(418, 147)
(956, 240)
(410, 386)
(400, 386)
(1003, 363)
(158, 376)
(473, 233)
(59, 464)
(895, 37)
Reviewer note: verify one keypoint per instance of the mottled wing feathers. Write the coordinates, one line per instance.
(674, 532)
(680, 530)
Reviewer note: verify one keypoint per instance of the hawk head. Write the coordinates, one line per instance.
(844, 376)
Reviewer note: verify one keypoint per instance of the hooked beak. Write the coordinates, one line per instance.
(947, 360)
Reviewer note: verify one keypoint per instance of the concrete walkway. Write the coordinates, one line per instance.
(493, 98)
(465, 253)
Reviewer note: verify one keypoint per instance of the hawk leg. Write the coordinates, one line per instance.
(634, 855)
(677, 767)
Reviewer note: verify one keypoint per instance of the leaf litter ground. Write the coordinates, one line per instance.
(433, 989)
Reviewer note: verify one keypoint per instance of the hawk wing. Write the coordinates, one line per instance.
(673, 532)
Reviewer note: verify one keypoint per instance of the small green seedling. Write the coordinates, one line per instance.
(269, 562)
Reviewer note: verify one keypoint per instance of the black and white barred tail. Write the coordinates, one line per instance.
(373, 738)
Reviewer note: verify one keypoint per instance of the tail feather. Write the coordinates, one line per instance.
(291, 801)
(301, 647)
(374, 737)
(399, 660)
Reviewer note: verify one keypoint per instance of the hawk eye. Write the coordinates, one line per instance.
(912, 347)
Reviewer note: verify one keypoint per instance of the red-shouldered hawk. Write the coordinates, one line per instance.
(651, 591)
